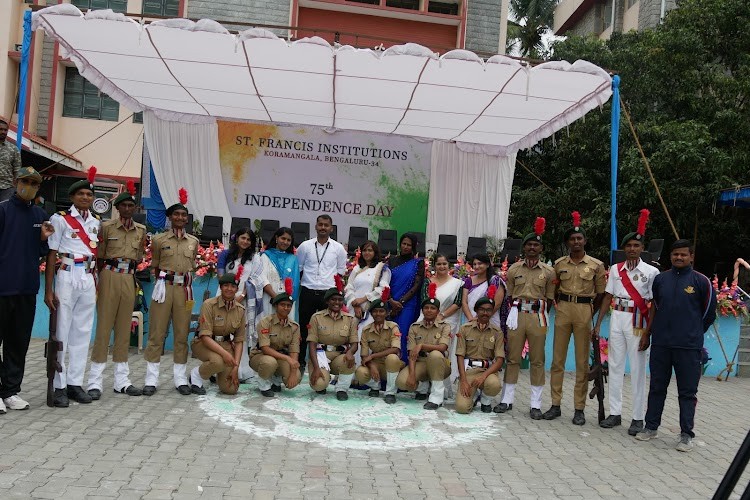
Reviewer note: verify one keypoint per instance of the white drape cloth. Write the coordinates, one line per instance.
(187, 155)
(469, 194)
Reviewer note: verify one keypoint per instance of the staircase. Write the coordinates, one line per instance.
(743, 365)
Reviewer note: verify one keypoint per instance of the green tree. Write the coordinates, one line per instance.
(686, 85)
(533, 18)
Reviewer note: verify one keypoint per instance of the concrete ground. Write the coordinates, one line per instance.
(302, 445)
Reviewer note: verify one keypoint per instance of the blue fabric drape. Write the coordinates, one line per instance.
(157, 218)
(23, 77)
(402, 279)
(614, 146)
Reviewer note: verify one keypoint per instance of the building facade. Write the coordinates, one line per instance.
(72, 125)
(602, 18)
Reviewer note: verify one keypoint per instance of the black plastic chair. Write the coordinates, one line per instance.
(511, 250)
(301, 232)
(267, 228)
(212, 230)
(388, 242)
(357, 237)
(238, 223)
(139, 218)
(189, 225)
(475, 246)
(448, 246)
(655, 248)
(421, 244)
(334, 233)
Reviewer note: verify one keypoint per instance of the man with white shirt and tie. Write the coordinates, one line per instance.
(320, 260)
(629, 290)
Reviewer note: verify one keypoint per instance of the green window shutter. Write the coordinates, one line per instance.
(152, 7)
(73, 105)
(91, 106)
(110, 109)
(138, 117)
(172, 8)
(99, 4)
(81, 4)
(118, 5)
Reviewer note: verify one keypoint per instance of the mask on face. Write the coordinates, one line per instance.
(26, 192)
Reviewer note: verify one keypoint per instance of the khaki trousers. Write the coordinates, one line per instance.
(213, 364)
(268, 366)
(389, 364)
(575, 318)
(433, 367)
(174, 307)
(338, 367)
(114, 309)
(528, 329)
(491, 387)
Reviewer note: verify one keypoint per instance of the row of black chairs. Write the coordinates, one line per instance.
(213, 227)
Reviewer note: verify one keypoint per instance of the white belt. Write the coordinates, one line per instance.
(622, 302)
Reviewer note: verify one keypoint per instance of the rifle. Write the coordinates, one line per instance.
(51, 348)
(597, 373)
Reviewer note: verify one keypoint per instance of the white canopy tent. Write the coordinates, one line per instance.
(195, 73)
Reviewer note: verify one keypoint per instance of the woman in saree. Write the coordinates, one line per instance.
(407, 274)
(366, 283)
(476, 286)
(450, 292)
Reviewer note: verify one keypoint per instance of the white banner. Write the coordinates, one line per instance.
(294, 174)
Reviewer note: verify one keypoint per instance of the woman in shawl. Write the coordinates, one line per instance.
(240, 258)
(278, 262)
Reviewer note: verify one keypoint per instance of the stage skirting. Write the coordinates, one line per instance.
(729, 329)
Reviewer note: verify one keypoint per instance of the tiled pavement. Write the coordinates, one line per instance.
(300, 446)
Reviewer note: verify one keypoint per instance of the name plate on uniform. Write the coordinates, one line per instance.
(178, 280)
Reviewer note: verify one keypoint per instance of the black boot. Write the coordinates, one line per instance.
(611, 421)
(76, 393)
(60, 399)
(552, 413)
(579, 418)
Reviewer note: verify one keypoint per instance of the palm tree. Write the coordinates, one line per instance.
(533, 19)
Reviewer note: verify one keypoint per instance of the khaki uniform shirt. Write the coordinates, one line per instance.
(438, 333)
(169, 253)
(279, 337)
(116, 242)
(218, 321)
(473, 343)
(585, 279)
(374, 341)
(325, 330)
(531, 283)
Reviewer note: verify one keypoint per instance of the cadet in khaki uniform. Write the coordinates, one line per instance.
(173, 255)
(581, 285)
(381, 348)
(427, 344)
(332, 338)
(480, 352)
(220, 340)
(121, 245)
(531, 288)
(276, 355)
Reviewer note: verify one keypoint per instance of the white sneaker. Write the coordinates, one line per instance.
(2, 407)
(15, 403)
(685, 443)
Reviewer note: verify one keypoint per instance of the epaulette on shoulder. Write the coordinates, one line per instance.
(139, 225)
(63, 212)
(561, 259)
(97, 217)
